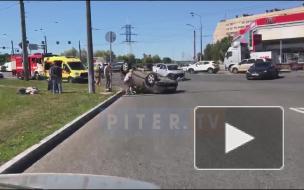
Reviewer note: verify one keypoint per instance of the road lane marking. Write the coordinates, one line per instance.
(298, 109)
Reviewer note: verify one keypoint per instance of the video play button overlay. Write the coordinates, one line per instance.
(235, 138)
(238, 138)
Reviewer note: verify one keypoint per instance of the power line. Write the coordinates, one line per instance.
(128, 36)
(128, 33)
(8, 7)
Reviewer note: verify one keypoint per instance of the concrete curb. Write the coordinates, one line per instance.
(28, 157)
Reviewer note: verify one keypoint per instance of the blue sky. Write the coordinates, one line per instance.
(160, 25)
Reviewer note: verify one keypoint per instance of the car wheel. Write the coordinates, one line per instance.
(191, 71)
(210, 70)
(235, 70)
(150, 79)
(277, 75)
(229, 68)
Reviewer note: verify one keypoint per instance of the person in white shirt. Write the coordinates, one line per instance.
(128, 80)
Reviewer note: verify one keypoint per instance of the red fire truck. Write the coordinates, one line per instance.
(35, 65)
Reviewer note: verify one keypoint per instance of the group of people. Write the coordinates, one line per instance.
(55, 80)
(103, 71)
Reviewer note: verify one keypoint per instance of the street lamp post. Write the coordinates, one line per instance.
(194, 42)
(201, 32)
(45, 45)
(44, 40)
(79, 49)
(12, 45)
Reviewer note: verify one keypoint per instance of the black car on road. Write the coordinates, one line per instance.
(262, 70)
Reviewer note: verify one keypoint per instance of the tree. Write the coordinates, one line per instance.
(138, 61)
(74, 53)
(198, 55)
(4, 58)
(104, 54)
(121, 58)
(83, 56)
(147, 59)
(71, 52)
(167, 60)
(156, 59)
(207, 52)
(217, 51)
(129, 58)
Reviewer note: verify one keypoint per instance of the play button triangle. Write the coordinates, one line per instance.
(235, 138)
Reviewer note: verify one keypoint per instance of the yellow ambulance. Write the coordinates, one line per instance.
(72, 68)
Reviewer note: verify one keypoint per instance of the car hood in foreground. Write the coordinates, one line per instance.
(69, 181)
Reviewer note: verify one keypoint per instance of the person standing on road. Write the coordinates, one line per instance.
(128, 80)
(108, 76)
(102, 66)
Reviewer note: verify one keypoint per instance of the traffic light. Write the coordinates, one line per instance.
(42, 42)
(57, 42)
(69, 42)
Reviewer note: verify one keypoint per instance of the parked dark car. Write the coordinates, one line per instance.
(1, 75)
(262, 70)
(116, 67)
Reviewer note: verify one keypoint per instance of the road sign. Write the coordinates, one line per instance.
(110, 37)
(20, 44)
(33, 46)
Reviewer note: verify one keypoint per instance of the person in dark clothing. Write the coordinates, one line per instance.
(51, 83)
(59, 77)
(108, 76)
(56, 77)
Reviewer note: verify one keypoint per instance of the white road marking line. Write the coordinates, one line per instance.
(300, 110)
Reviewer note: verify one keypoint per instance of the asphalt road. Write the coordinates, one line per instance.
(135, 137)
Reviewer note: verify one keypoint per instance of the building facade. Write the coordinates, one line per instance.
(283, 35)
(231, 27)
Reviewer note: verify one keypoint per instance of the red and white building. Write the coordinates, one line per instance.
(283, 35)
